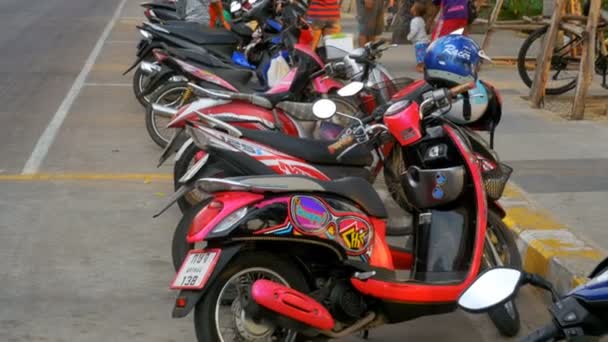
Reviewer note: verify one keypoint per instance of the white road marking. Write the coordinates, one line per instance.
(50, 133)
(108, 84)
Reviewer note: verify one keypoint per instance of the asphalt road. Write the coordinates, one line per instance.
(43, 47)
(81, 258)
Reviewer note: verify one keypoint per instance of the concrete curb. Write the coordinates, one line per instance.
(548, 247)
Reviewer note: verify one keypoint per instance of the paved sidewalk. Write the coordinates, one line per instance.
(560, 165)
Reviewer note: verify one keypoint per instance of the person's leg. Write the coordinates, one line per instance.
(377, 21)
(317, 31)
(332, 27)
(362, 23)
(212, 14)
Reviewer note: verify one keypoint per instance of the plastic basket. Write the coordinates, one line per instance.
(496, 180)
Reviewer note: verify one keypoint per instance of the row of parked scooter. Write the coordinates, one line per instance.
(283, 237)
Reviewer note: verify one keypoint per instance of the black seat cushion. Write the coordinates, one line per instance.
(202, 34)
(355, 189)
(313, 151)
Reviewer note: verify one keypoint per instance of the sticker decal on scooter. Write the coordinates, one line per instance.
(309, 214)
(355, 235)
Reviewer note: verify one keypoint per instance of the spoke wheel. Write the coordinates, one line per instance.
(565, 61)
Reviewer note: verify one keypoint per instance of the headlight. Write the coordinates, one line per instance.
(230, 220)
(146, 34)
(397, 107)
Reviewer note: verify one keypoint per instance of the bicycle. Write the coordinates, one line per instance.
(566, 57)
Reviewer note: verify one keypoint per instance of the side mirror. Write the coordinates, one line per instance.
(324, 109)
(235, 6)
(351, 89)
(492, 288)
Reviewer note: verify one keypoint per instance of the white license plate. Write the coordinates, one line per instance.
(196, 269)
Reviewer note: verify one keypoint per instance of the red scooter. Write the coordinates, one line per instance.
(285, 257)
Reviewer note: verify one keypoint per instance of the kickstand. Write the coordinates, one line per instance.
(364, 334)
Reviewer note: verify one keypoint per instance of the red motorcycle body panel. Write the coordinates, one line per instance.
(292, 304)
(408, 89)
(203, 223)
(205, 75)
(405, 125)
(284, 84)
(427, 293)
(305, 48)
(323, 85)
(280, 162)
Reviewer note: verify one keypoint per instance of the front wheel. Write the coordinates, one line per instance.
(140, 80)
(565, 61)
(502, 252)
(173, 95)
(220, 316)
(212, 169)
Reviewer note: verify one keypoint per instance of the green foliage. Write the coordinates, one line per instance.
(513, 9)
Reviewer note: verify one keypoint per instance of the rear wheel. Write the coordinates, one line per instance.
(501, 250)
(173, 95)
(220, 316)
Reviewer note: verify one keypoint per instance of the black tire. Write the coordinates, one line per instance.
(505, 317)
(139, 80)
(179, 246)
(204, 313)
(213, 168)
(521, 64)
(157, 130)
(393, 167)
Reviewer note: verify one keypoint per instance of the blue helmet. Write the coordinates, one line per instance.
(452, 60)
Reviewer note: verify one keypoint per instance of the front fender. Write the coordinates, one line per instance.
(189, 298)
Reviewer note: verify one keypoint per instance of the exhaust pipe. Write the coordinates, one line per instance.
(286, 302)
(149, 69)
(164, 110)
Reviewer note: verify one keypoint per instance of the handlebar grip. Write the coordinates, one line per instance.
(546, 333)
(463, 88)
(341, 143)
(378, 44)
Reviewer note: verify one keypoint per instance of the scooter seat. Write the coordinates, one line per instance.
(313, 151)
(201, 34)
(355, 189)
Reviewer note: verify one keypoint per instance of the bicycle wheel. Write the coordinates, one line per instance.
(564, 62)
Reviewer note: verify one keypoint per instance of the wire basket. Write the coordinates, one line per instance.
(382, 92)
(496, 180)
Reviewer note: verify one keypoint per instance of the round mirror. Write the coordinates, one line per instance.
(490, 289)
(324, 109)
(350, 89)
(235, 6)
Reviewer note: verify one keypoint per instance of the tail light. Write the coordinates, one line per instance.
(204, 217)
(159, 55)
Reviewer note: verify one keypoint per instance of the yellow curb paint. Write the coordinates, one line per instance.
(512, 193)
(577, 281)
(146, 177)
(541, 251)
(525, 218)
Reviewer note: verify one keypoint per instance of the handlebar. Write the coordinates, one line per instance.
(460, 89)
(547, 333)
(439, 96)
(343, 142)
